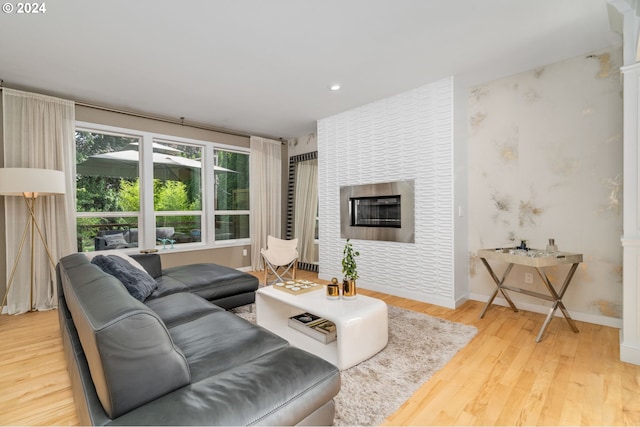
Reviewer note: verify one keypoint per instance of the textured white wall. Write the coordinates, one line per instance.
(545, 154)
(407, 136)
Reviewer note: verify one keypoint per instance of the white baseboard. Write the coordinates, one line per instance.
(443, 302)
(461, 300)
(245, 269)
(596, 319)
(629, 353)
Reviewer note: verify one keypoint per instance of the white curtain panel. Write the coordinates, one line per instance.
(306, 208)
(265, 181)
(38, 132)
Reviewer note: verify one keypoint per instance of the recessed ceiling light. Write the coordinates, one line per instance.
(334, 87)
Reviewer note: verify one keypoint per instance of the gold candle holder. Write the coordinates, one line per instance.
(333, 289)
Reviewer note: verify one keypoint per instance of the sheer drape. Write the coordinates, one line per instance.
(306, 208)
(38, 132)
(265, 180)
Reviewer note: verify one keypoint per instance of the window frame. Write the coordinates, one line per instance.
(156, 213)
(230, 212)
(147, 214)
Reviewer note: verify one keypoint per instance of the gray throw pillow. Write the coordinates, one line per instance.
(139, 283)
(114, 239)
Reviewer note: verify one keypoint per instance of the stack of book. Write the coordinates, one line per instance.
(314, 326)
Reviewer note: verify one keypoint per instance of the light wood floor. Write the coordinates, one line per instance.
(501, 378)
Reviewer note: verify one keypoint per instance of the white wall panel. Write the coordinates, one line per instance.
(630, 334)
(405, 137)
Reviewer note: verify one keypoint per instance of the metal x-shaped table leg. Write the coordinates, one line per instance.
(499, 283)
(555, 297)
(557, 303)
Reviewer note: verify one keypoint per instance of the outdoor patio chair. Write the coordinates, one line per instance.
(280, 260)
(113, 239)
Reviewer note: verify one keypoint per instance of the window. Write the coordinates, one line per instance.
(177, 192)
(231, 173)
(156, 191)
(107, 196)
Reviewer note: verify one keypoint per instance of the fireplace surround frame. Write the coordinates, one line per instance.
(404, 234)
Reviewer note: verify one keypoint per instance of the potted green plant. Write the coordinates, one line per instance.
(350, 270)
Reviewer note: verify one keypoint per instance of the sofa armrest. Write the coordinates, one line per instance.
(151, 262)
(130, 353)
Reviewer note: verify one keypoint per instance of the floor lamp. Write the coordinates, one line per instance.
(30, 183)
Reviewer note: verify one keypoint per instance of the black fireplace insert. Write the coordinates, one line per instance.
(377, 211)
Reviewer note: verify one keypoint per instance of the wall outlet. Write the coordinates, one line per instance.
(244, 252)
(528, 278)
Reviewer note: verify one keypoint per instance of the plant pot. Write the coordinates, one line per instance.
(349, 289)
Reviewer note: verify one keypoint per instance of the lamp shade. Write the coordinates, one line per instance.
(31, 182)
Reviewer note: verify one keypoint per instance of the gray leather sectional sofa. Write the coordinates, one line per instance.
(177, 359)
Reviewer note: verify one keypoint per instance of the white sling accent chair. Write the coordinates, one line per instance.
(280, 260)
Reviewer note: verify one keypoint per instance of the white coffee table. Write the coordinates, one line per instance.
(361, 324)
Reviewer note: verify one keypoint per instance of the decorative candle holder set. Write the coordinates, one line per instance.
(348, 289)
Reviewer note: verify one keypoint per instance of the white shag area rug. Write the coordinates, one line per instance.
(419, 345)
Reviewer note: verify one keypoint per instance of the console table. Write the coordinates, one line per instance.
(536, 259)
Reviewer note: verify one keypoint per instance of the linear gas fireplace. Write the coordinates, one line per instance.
(383, 211)
(375, 211)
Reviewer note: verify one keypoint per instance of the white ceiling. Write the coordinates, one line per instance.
(264, 66)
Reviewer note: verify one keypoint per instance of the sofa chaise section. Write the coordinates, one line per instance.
(224, 286)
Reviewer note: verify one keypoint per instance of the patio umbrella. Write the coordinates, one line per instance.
(158, 146)
(124, 164)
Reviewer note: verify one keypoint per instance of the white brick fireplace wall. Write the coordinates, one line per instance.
(409, 136)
